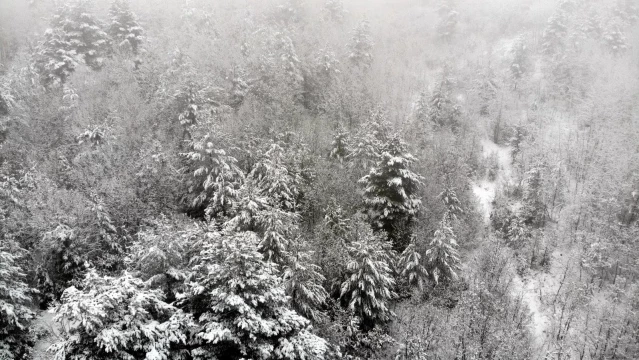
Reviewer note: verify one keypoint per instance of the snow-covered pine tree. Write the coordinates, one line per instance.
(340, 147)
(124, 27)
(410, 267)
(213, 178)
(255, 211)
(274, 179)
(453, 206)
(162, 251)
(390, 189)
(240, 303)
(442, 257)
(368, 288)
(336, 220)
(361, 46)
(84, 31)
(303, 281)
(119, 318)
(276, 227)
(367, 144)
(15, 301)
(534, 207)
(442, 109)
(75, 36)
(56, 59)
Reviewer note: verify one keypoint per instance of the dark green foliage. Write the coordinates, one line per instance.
(340, 147)
(63, 263)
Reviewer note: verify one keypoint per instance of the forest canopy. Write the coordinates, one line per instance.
(319, 179)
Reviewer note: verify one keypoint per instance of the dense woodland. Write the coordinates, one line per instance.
(319, 179)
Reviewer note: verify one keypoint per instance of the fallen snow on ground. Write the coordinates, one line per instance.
(528, 290)
(45, 321)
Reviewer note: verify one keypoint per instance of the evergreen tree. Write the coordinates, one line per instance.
(410, 266)
(215, 181)
(124, 27)
(361, 46)
(442, 256)
(368, 288)
(453, 206)
(367, 145)
(303, 281)
(390, 189)
(15, 301)
(119, 318)
(336, 220)
(442, 109)
(241, 306)
(275, 180)
(56, 58)
(75, 36)
(254, 211)
(534, 209)
(340, 147)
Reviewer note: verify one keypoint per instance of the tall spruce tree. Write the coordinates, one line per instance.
(410, 266)
(442, 256)
(368, 288)
(390, 190)
(212, 178)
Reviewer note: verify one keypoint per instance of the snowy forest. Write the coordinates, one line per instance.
(319, 179)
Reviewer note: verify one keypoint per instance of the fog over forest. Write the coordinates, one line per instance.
(319, 179)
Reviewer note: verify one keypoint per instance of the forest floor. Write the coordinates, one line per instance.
(536, 286)
(45, 324)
